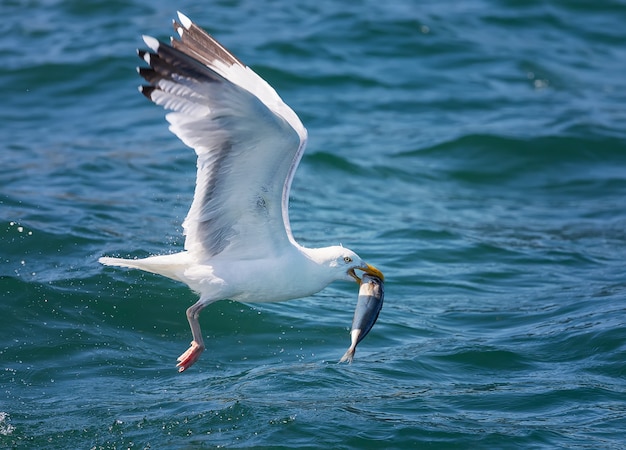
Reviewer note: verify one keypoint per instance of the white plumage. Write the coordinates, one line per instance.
(248, 142)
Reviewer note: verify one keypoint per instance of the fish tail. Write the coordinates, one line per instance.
(349, 355)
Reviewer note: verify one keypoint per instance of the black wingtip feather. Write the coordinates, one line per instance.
(191, 59)
(149, 74)
(147, 91)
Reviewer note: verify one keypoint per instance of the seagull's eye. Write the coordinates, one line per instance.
(347, 259)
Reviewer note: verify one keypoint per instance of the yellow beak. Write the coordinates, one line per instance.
(373, 271)
(368, 269)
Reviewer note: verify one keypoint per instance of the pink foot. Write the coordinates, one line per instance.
(187, 359)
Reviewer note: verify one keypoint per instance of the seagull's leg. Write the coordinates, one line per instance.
(187, 359)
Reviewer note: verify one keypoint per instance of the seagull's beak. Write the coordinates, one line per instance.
(368, 269)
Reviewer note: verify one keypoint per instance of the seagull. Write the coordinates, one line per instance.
(238, 242)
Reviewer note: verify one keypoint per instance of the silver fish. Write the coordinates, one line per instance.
(368, 306)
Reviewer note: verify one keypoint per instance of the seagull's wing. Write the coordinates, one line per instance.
(248, 143)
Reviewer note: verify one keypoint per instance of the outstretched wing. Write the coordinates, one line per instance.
(248, 143)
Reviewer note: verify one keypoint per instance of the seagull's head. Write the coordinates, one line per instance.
(344, 263)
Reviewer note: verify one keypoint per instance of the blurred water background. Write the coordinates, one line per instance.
(474, 151)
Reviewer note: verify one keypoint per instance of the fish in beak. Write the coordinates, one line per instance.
(368, 270)
(368, 306)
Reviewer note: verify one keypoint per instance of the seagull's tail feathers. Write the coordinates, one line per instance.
(170, 266)
(121, 262)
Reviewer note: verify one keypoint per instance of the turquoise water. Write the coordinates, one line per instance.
(473, 151)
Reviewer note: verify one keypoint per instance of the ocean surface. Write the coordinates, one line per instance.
(474, 151)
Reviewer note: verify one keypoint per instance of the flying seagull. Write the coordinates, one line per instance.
(238, 241)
